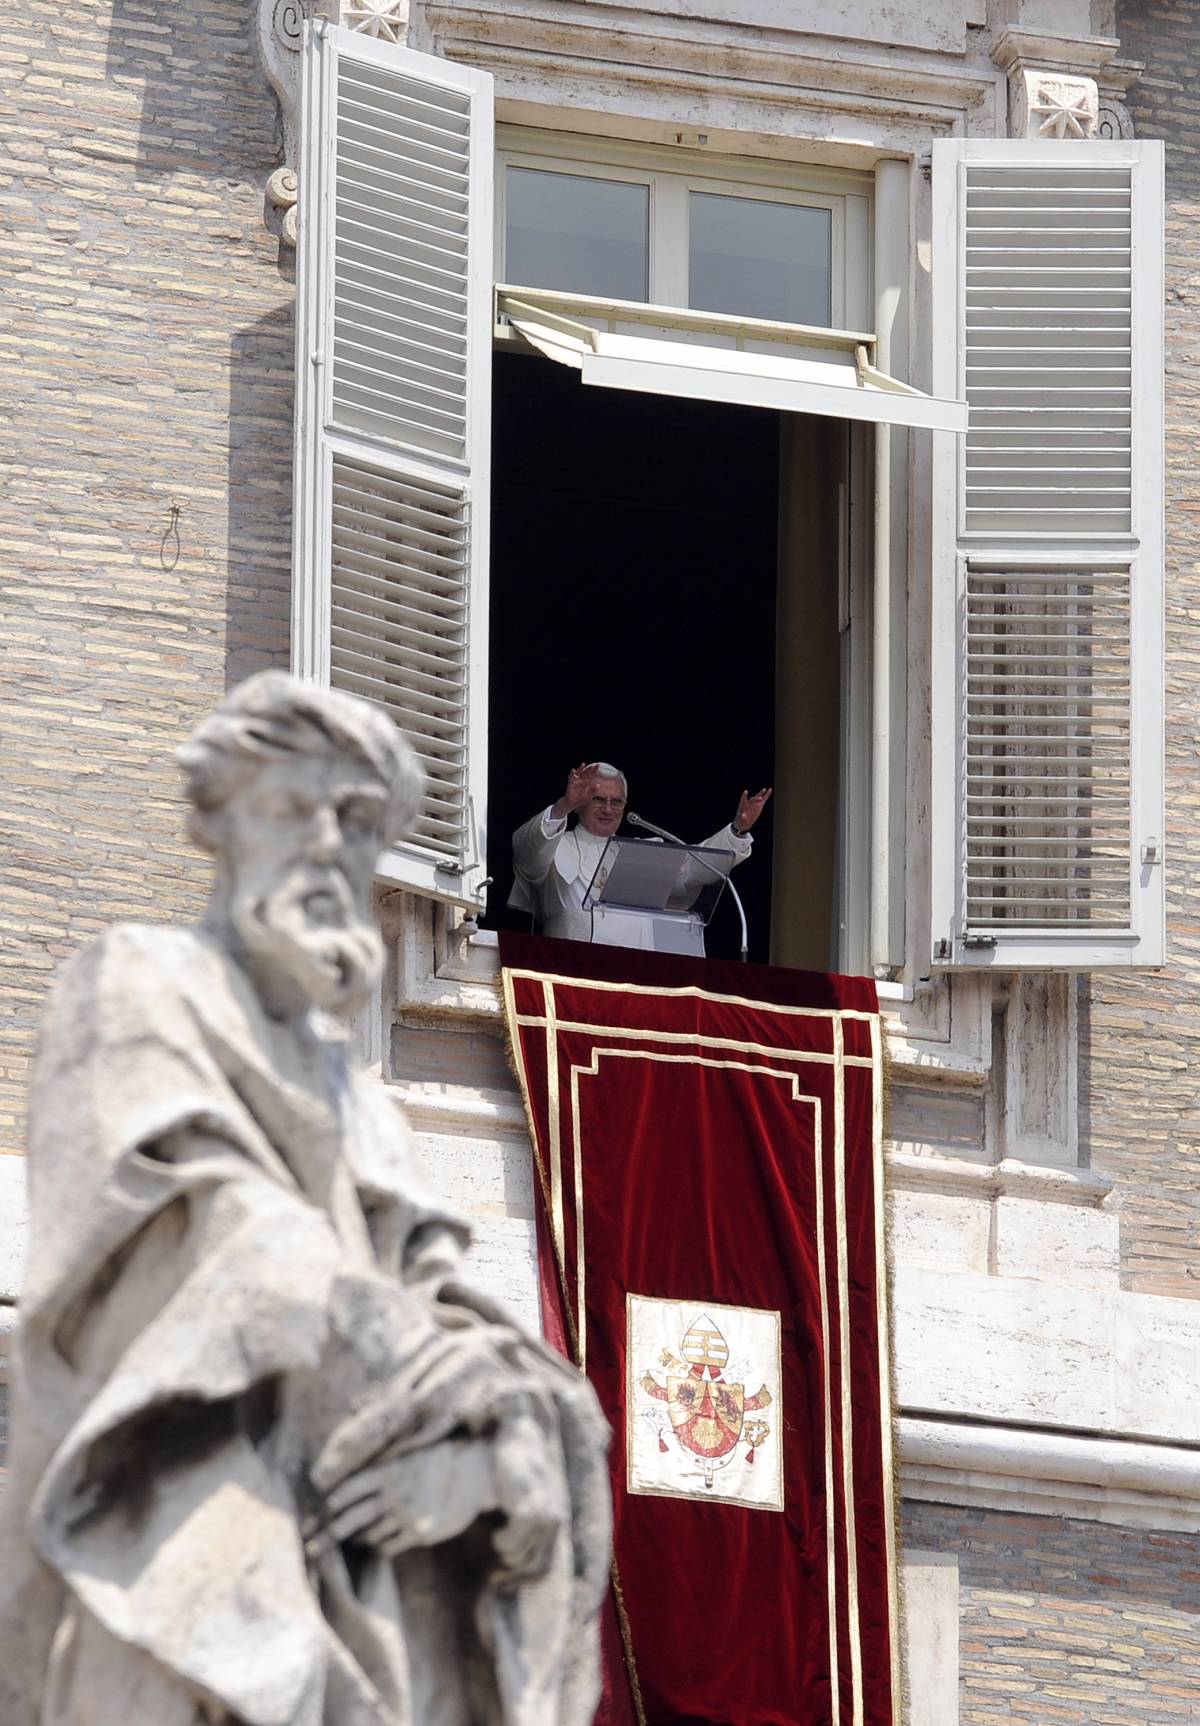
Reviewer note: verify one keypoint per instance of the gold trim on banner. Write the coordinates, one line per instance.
(635, 1683)
(835, 1692)
(883, 1325)
(577, 1324)
(556, 1246)
(819, 1172)
(580, 1243)
(698, 1039)
(693, 992)
(839, 1196)
(552, 1100)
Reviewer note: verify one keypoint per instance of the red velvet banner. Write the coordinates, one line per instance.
(708, 1145)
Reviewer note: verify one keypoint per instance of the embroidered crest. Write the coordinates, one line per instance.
(688, 1431)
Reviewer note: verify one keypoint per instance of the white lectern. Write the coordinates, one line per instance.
(655, 895)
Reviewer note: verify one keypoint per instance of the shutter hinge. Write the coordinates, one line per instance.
(317, 357)
(1151, 853)
(943, 948)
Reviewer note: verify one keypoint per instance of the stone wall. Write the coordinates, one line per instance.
(147, 346)
(1141, 1034)
(1067, 1623)
(146, 360)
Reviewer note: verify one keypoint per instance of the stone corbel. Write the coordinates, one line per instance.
(1054, 81)
(387, 20)
(1050, 105)
(279, 205)
(280, 34)
(1115, 120)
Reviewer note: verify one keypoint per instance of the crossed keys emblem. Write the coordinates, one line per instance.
(708, 1414)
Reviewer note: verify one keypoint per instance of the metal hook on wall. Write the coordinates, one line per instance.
(170, 548)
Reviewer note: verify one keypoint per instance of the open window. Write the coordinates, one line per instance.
(1047, 663)
(677, 584)
(631, 285)
(764, 290)
(718, 461)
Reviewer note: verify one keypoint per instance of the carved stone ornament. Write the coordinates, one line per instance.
(1052, 105)
(287, 24)
(279, 37)
(280, 212)
(274, 1457)
(1114, 119)
(385, 19)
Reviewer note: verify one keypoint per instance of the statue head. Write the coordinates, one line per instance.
(295, 791)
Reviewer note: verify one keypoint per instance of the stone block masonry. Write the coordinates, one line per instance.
(1066, 1623)
(146, 360)
(146, 352)
(1141, 1034)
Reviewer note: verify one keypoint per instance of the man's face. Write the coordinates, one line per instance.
(604, 810)
(300, 842)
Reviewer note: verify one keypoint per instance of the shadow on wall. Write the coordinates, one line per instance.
(206, 114)
(1083, 1000)
(205, 104)
(258, 590)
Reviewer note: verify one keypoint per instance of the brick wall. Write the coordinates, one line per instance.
(146, 353)
(1067, 1623)
(146, 346)
(1141, 1043)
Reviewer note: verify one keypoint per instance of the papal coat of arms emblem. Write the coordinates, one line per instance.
(694, 1426)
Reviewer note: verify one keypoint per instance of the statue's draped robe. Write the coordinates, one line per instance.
(231, 1249)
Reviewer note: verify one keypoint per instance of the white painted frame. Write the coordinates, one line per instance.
(672, 175)
(872, 264)
(1141, 551)
(317, 440)
(618, 344)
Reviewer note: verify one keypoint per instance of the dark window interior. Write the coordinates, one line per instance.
(633, 606)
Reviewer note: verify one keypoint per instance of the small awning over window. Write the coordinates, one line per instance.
(668, 350)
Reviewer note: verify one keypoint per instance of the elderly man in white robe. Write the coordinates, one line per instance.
(554, 861)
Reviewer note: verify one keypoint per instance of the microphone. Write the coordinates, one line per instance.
(640, 821)
(637, 821)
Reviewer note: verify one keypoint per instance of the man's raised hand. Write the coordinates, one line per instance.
(580, 781)
(750, 808)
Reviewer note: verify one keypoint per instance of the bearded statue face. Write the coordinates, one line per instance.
(299, 841)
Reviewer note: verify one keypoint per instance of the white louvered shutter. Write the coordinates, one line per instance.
(393, 418)
(1047, 816)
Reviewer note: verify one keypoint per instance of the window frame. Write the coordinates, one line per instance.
(851, 197)
(846, 194)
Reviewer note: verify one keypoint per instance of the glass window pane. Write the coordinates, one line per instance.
(759, 259)
(579, 234)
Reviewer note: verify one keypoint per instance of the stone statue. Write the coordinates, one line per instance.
(274, 1463)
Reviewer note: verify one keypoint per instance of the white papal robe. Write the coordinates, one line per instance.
(553, 866)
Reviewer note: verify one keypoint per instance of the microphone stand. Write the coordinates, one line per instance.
(637, 821)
